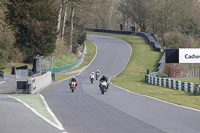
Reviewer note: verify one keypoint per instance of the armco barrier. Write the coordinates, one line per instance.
(71, 66)
(174, 84)
(109, 31)
(38, 83)
(150, 39)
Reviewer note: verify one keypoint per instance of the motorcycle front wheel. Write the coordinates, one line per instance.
(102, 90)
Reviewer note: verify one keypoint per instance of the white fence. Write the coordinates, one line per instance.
(174, 84)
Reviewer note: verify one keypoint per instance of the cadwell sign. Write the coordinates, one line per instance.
(189, 55)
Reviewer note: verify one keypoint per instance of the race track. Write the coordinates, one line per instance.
(117, 111)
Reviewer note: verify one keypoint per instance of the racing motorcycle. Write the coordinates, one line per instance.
(73, 86)
(97, 75)
(103, 87)
(92, 79)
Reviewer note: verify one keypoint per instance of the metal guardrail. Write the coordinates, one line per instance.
(110, 31)
(151, 40)
(71, 66)
(161, 67)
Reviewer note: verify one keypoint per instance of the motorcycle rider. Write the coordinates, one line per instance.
(104, 78)
(92, 75)
(73, 79)
(97, 74)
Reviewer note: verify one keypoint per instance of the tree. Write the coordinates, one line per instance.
(137, 10)
(173, 70)
(7, 38)
(36, 22)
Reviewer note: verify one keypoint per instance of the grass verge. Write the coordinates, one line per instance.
(132, 78)
(35, 102)
(64, 60)
(91, 51)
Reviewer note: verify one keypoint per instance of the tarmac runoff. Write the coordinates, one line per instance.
(38, 105)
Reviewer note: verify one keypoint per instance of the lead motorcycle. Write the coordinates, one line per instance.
(73, 86)
(103, 87)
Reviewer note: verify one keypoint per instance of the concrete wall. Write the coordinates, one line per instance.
(38, 83)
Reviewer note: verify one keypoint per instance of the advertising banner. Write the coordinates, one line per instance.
(189, 55)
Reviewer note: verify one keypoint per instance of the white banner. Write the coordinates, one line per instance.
(189, 55)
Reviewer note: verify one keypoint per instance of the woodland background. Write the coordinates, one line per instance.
(52, 27)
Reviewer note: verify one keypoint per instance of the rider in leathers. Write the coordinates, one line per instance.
(73, 80)
(92, 75)
(97, 73)
(104, 78)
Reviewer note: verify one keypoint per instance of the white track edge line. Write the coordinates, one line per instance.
(34, 111)
(51, 112)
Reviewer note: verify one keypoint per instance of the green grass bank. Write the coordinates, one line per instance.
(91, 52)
(132, 78)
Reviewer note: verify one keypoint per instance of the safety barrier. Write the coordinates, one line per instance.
(150, 39)
(110, 31)
(71, 66)
(174, 84)
(38, 83)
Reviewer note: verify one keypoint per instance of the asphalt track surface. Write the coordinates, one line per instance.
(117, 111)
(8, 84)
(17, 118)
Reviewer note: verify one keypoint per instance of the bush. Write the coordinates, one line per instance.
(174, 40)
(3, 62)
(178, 40)
(172, 70)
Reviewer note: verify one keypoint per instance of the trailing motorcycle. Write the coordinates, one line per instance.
(103, 87)
(97, 75)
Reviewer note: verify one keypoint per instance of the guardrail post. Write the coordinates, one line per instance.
(172, 83)
(188, 87)
(154, 82)
(162, 82)
(167, 83)
(177, 85)
(196, 90)
(158, 79)
(182, 86)
(150, 80)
